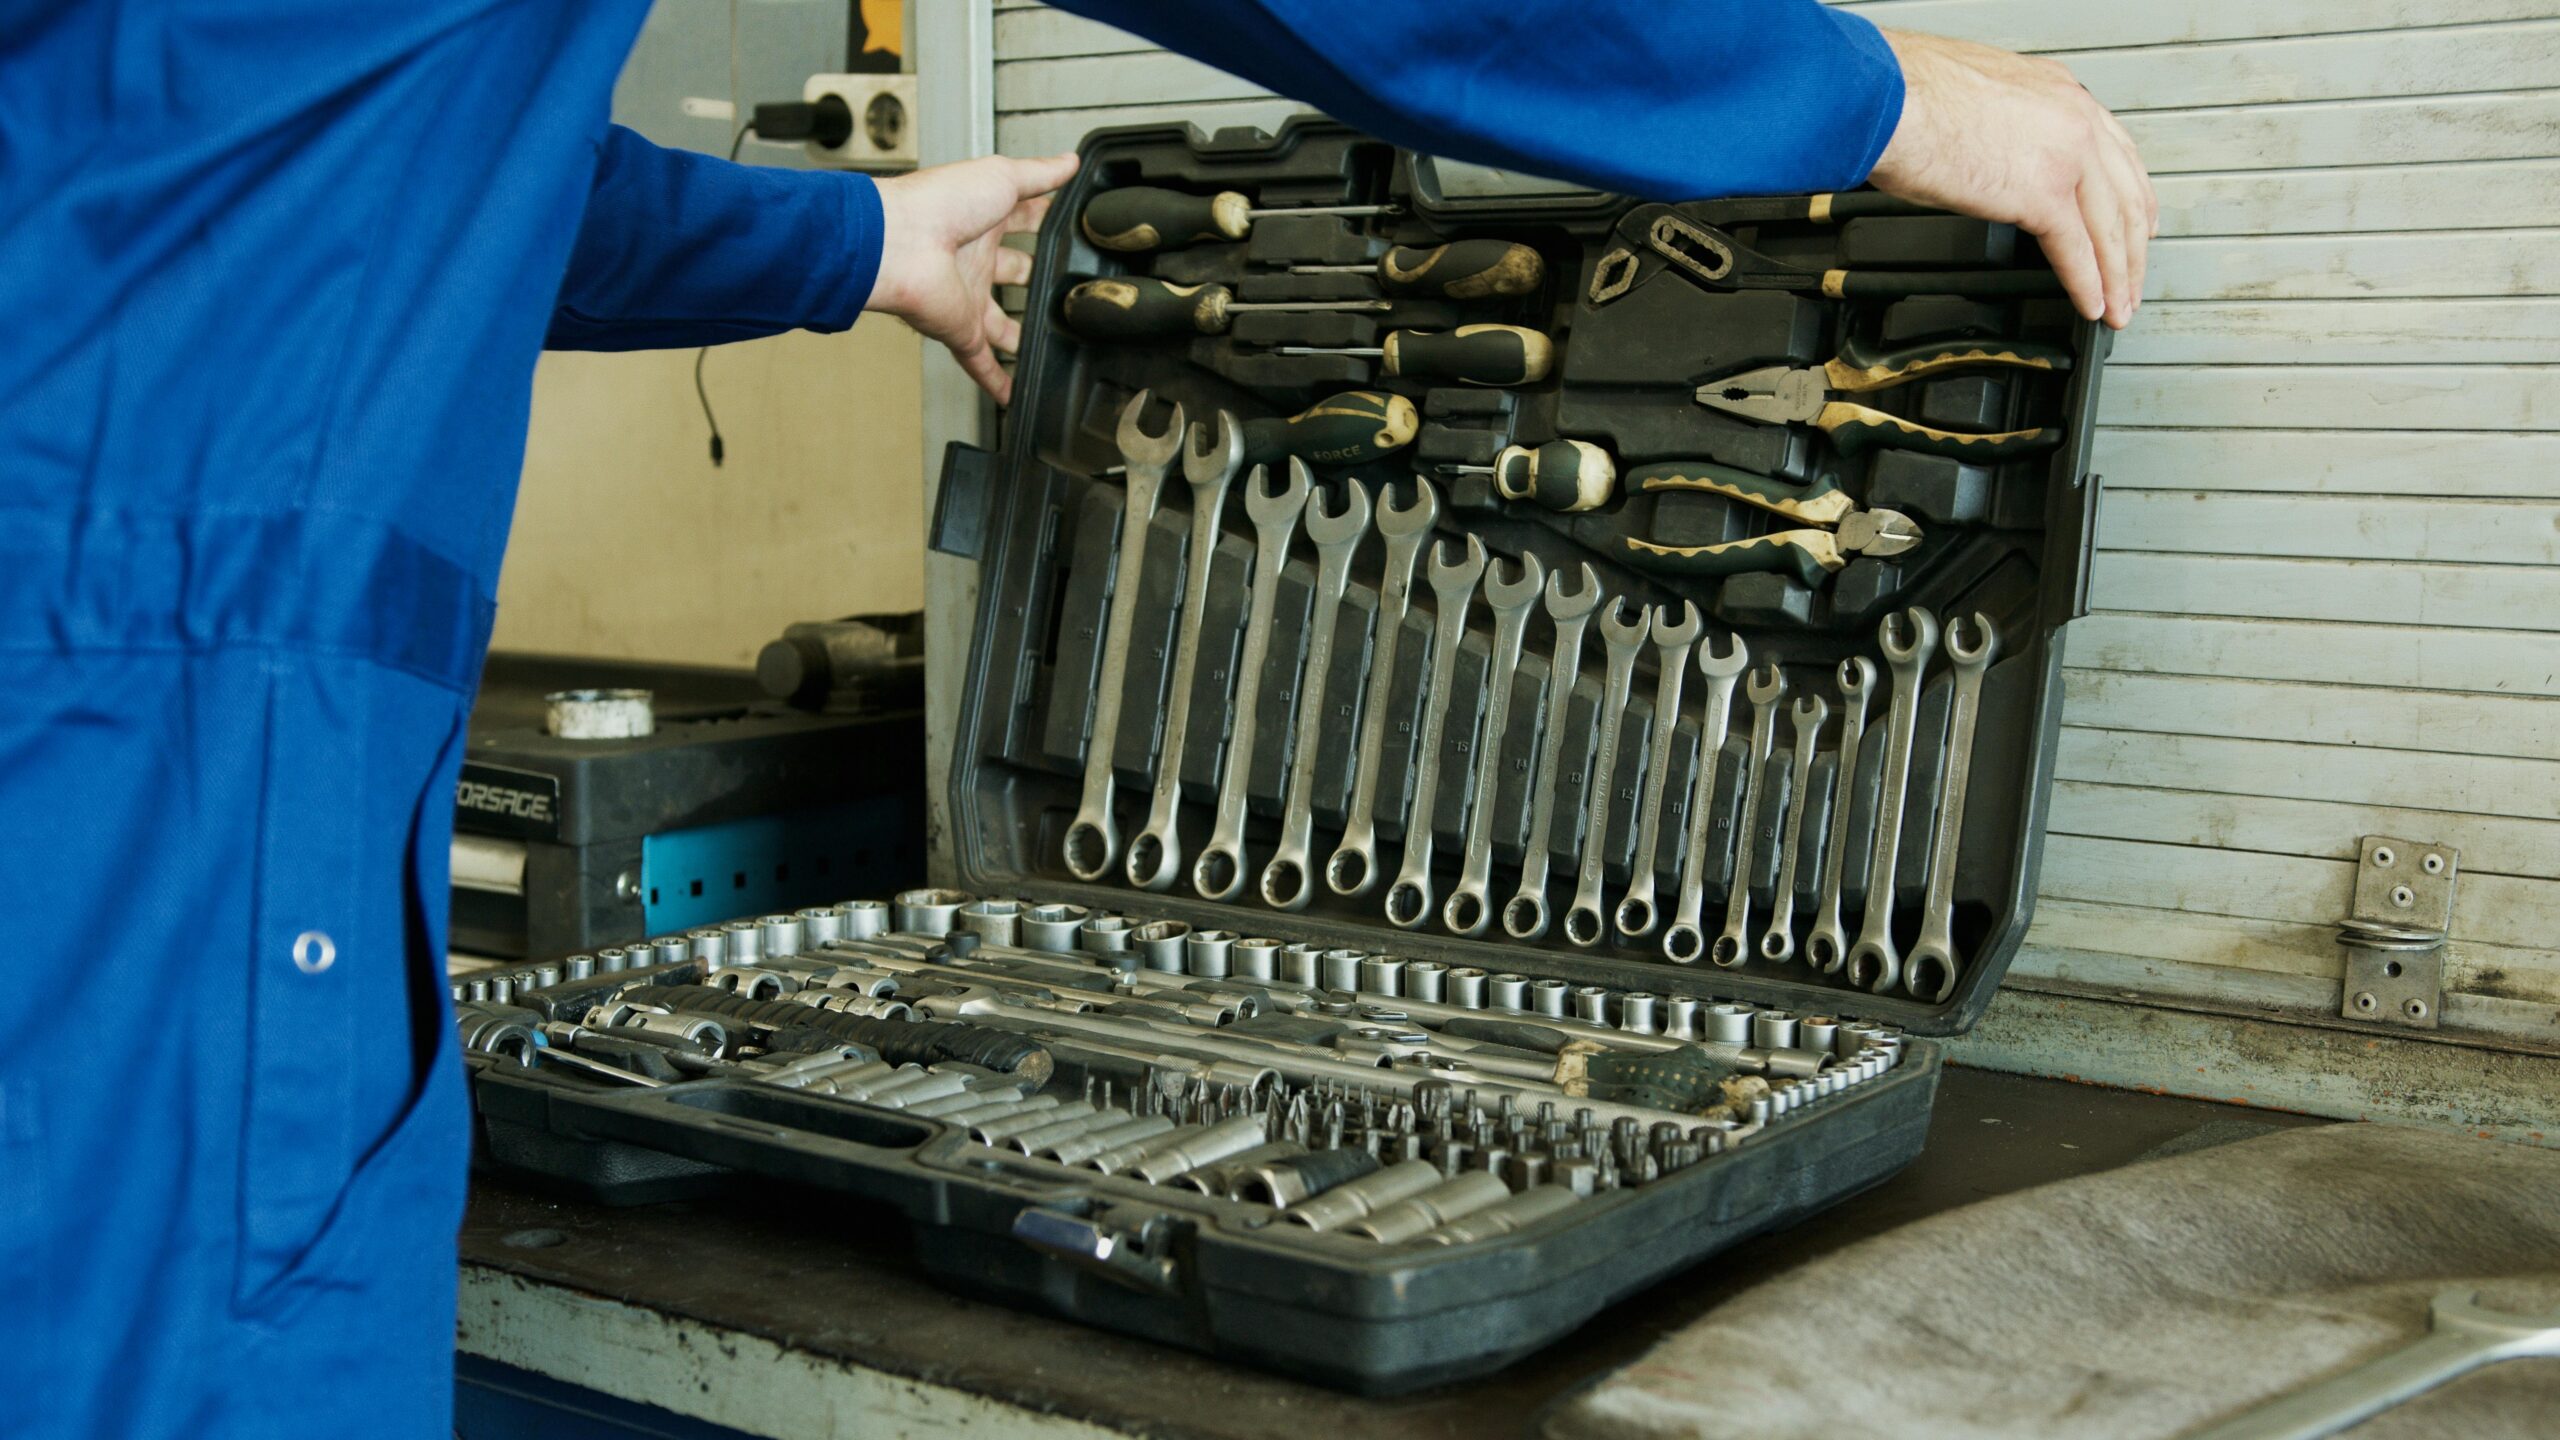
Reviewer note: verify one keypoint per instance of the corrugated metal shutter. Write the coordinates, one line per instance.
(2328, 602)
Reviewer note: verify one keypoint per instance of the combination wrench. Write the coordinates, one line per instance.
(1672, 643)
(1093, 838)
(1219, 872)
(2462, 1336)
(1354, 866)
(1827, 948)
(1623, 639)
(1874, 963)
(1469, 908)
(1524, 917)
(1766, 687)
(1930, 970)
(1685, 942)
(1288, 881)
(1778, 942)
(1209, 464)
(1453, 588)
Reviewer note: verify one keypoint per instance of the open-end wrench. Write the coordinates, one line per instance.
(1469, 907)
(2462, 1336)
(1354, 866)
(1766, 687)
(1288, 881)
(1209, 463)
(1672, 642)
(1525, 916)
(1685, 942)
(1453, 589)
(1874, 962)
(1827, 948)
(1219, 872)
(1623, 638)
(1093, 839)
(1778, 942)
(1930, 969)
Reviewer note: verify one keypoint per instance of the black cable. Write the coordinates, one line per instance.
(719, 449)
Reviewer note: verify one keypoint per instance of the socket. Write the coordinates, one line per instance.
(884, 121)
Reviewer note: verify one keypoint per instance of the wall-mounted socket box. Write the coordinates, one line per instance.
(884, 121)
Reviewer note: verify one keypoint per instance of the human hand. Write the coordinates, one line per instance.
(2014, 138)
(942, 253)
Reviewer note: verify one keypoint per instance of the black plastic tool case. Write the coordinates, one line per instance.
(2011, 542)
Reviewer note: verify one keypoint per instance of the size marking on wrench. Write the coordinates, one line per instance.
(1930, 971)
(1623, 638)
(1685, 941)
(1453, 588)
(1827, 948)
(1778, 942)
(1672, 642)
(1468, 908)
(2463, 1335)
(1219, 872)
(1524, 917)
(1354, 866)
(1766, 687)
(1209, 464)
(1287, 881)
(1874, 962)
(1093, 838)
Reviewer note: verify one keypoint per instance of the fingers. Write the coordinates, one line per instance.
(1027, 215)
(2064, 237)
(1039, 177)
(1012, 267)
(2103, 216)
(1003, 332)
(982, 366)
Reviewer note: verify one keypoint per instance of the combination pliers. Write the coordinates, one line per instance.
(1831, 527)
(1802, 395)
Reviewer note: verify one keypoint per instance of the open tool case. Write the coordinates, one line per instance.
(1641, 314)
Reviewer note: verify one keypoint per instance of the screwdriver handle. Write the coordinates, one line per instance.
(1351, 428)
(1809, 555)
(1147, 217)
(1134, 307)
(1566, 475)
(1492, 355)
(1853, 428)
(1463, 269)
(1817, 502)
(1862, 367)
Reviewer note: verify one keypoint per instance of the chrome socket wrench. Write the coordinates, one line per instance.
(1930, 971)
(1093, 839)
(1354, 866)
(1219, 871)
(1210, 462)
(1288, 879)
(1623, 638)
(1672, 644)
(1766, 687)
(1453, 589)
(1874, 962)
(1470, 907)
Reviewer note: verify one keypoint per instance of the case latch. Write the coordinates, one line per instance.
(2393, 937)
(1141, 1259)
(960, 502)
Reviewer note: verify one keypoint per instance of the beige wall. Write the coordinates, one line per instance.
(627, 541)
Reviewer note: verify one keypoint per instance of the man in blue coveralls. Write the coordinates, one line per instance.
(273, 276)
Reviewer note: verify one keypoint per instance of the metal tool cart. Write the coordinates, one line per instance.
(1370, 958)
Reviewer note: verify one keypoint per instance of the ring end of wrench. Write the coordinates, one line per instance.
(1218, 874)
(1585, 926)
(1152, 862)
(1524, 916)
(1089, 848)
(1466, 912)
(1729, 950)
(1408, 903)
(1684, 944)
(1636, 917)
(1286, 885)
(1352, 871)
(1778, 946)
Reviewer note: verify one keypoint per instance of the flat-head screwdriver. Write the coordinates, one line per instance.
(1352, 428)
(1460, 270)
(1566, 475)
(1134, 307)
(1147, 217)
(1469, 355)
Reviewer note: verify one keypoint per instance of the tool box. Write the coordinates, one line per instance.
(1586, 954)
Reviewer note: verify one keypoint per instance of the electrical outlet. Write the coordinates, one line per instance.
(884, 121)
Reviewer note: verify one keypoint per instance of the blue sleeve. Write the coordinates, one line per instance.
(680, 249)
(1664, 99)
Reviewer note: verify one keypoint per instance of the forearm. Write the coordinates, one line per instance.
(1665, 101)
(679, 249)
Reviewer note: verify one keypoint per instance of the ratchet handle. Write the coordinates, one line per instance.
(1863, 367)
(1819, 502)
(1808, 555)
(1854, 428)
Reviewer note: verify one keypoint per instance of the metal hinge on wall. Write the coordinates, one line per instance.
(2394, 935)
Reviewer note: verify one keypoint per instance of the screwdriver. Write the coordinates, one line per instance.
(1144, 217)
(1352, 428)
(1134, 307)
(1565, 475)
(1470, 354)
(1460, 270)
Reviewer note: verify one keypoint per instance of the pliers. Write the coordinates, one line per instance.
(1788, 394)
(1833, 526)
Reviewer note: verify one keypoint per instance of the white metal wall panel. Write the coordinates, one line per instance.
(2328, 587)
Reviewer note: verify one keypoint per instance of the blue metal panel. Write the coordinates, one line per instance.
(756, 866)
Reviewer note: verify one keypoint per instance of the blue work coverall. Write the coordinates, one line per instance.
(273, 278)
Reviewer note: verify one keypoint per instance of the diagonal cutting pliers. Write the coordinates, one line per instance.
(1831, 526)
(1802, 395)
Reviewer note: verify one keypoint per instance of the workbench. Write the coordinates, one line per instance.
(797, 1313)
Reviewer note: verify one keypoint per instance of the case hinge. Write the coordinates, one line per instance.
(2394, 934)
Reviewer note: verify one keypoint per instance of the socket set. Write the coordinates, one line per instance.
(1499, 726)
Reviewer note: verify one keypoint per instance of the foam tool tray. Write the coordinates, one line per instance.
(1386, 1150)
